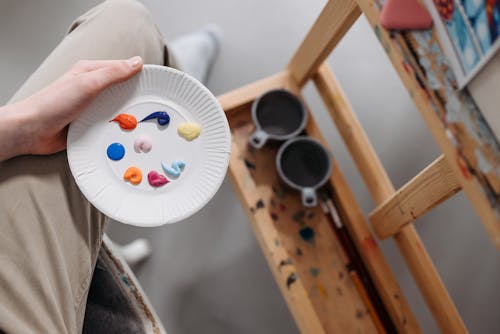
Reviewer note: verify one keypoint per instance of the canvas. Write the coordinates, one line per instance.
(469, 31)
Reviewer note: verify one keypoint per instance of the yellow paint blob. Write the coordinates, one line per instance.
(189, 130)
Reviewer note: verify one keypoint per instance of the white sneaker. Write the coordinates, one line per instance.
(196, 52)
(136, 251)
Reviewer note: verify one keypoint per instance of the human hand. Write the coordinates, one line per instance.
(39, 123)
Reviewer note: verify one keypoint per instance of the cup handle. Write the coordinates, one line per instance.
(258, 138)
(309, 198)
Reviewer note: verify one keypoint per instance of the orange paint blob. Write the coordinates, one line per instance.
(126, 121)
(133, 175)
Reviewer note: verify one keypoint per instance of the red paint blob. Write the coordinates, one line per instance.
(156, 179)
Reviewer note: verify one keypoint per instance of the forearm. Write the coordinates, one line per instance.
(14, 130)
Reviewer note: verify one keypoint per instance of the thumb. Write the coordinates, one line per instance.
(113, 72)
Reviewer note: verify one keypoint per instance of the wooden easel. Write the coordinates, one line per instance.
(311, 273)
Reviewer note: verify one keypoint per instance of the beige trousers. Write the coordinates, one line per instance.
(49, 234)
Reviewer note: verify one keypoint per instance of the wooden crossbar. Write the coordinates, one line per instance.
(433, 185)
(234, 99)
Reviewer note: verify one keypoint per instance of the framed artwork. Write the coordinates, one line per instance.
(469, 31)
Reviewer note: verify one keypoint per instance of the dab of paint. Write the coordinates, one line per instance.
(115, 151)
(314, 271)
(126, 121)
(298, 217)
(133, 175)
(284, 263)
(143, 143)
(189, 131)
(322, 290)
(307, 234)
(250, 165)
(161, 117)
(291, 279)
(176, 169)
(155, 179)
(298, 251)
(369, 243)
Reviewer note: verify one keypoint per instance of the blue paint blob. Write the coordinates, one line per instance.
(161, 117)
(307, 234)
(176, 169)
(115, 151)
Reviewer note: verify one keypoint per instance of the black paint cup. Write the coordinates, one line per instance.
(304, 164)
(277, 115)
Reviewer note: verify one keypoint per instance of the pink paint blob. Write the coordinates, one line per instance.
(156, 179)
(143, 143)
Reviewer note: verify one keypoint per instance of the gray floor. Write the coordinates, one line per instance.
(207, 274)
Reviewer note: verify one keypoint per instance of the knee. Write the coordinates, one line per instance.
(126, 9)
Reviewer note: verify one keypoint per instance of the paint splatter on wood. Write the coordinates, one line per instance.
(369, 243)
(284, 263)
(463, 168)
(299, 252)
(278, 191)
(298, 217)
(291, 279)
(322, 290)
(251, 150)
(259, 204)
(314, 271)
(307, 234)
(311, 215)
(249, 165)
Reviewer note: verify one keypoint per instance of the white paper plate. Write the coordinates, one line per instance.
(156, 88)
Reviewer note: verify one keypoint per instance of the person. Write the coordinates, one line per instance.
(50, 234)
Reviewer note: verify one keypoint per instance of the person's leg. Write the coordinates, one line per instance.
(115, 29)
(49, 234)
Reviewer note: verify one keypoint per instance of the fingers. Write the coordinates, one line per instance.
(108, 72)
(90, 65)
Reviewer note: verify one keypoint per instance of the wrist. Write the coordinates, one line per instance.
(16, 124)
